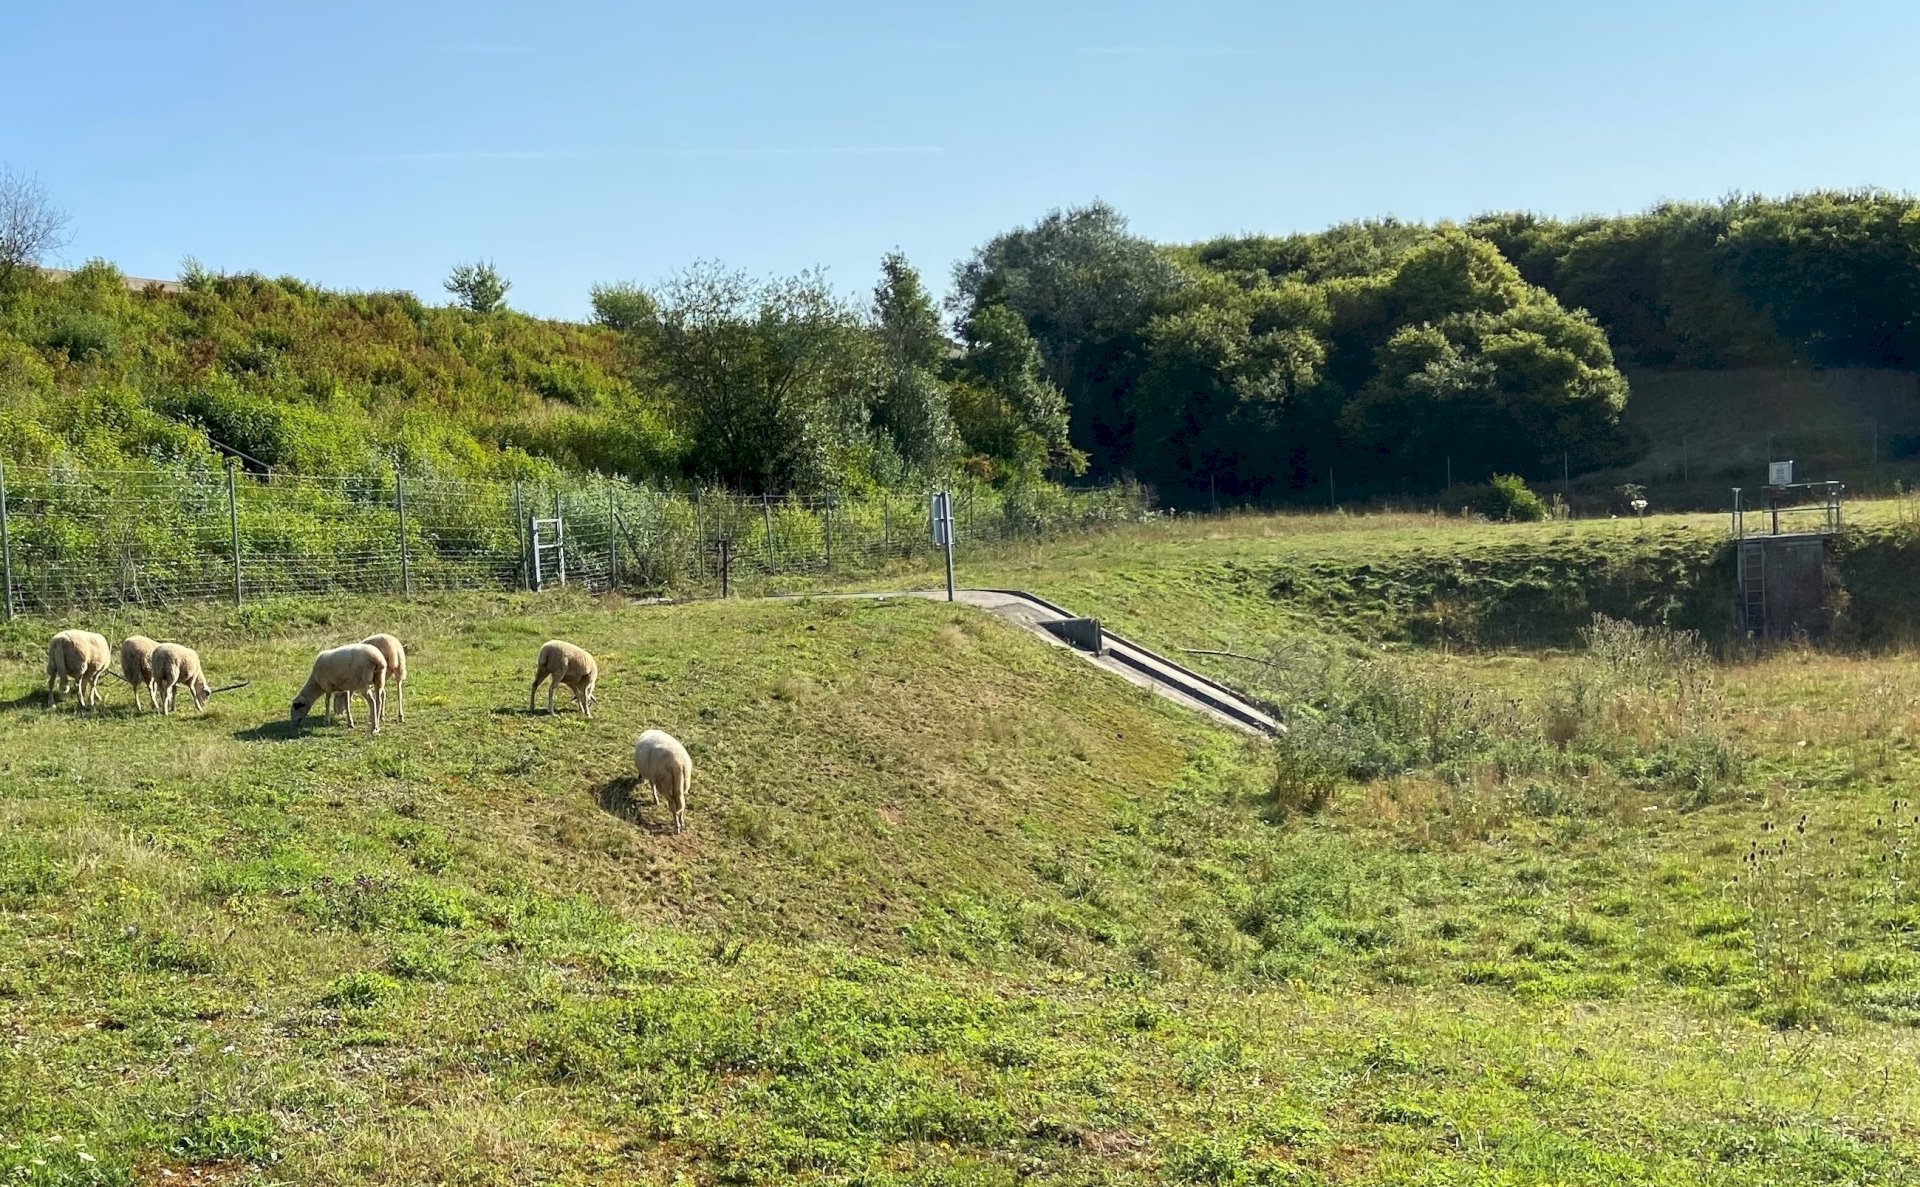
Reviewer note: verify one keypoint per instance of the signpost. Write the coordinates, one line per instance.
(941, 514)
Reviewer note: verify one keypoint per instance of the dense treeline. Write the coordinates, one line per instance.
(1244, 367)
(1254, 367)
(1257, 366)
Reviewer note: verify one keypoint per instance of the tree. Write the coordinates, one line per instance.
(478, 287)
(1009, 415)
(912, 407)
(1221, 397)
(625, 307)
(30, 224)
(1085, 287)
(766, 377)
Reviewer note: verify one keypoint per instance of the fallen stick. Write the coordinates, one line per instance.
(1252, 659)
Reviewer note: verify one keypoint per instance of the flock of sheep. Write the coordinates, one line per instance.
(76, 661)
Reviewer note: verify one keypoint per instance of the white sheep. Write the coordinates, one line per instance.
(661, 762)
(563, 663)
(175, 664)
(396, 657)
(355, 668)
(136, 667)
(75, 662)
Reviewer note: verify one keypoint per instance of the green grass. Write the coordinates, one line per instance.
(954, 907)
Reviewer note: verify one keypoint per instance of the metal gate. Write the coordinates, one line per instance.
(549, 552)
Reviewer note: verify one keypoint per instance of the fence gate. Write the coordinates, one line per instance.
(549, 536)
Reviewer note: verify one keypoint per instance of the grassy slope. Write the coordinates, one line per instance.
(954, 908)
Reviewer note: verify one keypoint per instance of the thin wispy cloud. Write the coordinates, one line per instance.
(481, 156)
(1177, 51)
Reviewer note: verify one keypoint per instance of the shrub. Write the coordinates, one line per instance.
(1507, 498)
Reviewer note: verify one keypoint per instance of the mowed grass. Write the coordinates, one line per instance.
(954, 907)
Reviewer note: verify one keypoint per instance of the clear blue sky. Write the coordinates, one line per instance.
(374, 145)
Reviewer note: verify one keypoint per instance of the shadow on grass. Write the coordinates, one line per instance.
(278, 730)
(618, 798)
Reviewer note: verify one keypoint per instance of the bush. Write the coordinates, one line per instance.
(1507, 499)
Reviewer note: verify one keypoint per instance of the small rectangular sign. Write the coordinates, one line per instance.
(1779, 473)
(941, 516)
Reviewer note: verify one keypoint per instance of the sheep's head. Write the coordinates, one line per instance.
(202, 693)
(299, 713)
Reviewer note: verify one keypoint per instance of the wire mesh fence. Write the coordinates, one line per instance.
(74, 537)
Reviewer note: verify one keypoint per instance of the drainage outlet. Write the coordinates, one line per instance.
(1083, 633)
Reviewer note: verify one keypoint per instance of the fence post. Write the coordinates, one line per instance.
(726, 566)
(613, 541)
(400, 505)
(826, 521)
(699, 532)
(766, 518)
(519, 527)
(559, 538)
(233, 529)
(6, 550)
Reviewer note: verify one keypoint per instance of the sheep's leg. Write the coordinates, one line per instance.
(400, 700)
(349, 710)
(533, 695)
(376, 701)
(585, 697)
(550, 688)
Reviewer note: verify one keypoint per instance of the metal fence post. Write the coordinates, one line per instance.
(559, 538)
(400, 505)
(613, 536)
(699, 533)
(766, 518)
(6, 551)
(520, 540)
(826, 527)
(233, 529)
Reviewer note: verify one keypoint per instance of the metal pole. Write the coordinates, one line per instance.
(233, 528)
(946, 515)
(400, 505)
(726, 566)
(1449, 471)
(559, 539)
(826, 528)
(519, 526)
(613, 535)
(766, 518)
(699, 534)
(1333, 494)
(6, 551)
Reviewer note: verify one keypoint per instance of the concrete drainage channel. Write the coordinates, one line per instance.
(1086, 638)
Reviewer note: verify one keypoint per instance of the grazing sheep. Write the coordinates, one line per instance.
(355, 668)
(174, 665)
(75, 662)
(136, 667)
(563, 663)
(663, 763)
(396, 656)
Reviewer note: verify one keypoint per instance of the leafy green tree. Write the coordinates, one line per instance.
(1481, 367)
(1086, 287)
(912, 408)
(1012, 419)
(478, 287)
(766, 377)
(625, 307)
(1221, 405)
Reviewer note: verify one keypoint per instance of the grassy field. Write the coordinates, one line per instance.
(955, 908)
